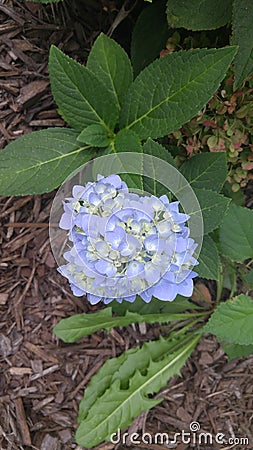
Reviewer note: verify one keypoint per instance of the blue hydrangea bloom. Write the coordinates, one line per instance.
(123, 244)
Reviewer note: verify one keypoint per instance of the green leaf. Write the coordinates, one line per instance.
(171, 90)
(149, 35)
(110, 63)
(230, 275)
(79, 325)
(126, 399)
(138, 170)
(180, 304)
(40, 161)
(95, 135)
(128, 141)
(213, 207)
(81, 97)
(150, 183)
(123, 156)
(123, 367)
(237, 351)
(236, 237)
(153, 148)
(206, 170)
(159, 151)
(199, 14)
(209, 261)
(243, 36)
(232, 321)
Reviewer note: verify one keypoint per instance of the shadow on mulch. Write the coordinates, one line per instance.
(41, 379)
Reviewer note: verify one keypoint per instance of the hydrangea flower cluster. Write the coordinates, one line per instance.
(124, 244)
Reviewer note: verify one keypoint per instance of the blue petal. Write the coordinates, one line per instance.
(114, 180)
(109, 300)
(134, 268)
(181, 244)
(91, 224)
(94, 199)
(81, 221)
(66, 221)
(76, 290)
(151, 243)
(116, 237)
(93, 299)
(152, 274)
(78, 190)
(164, 199)
(105, 268)
(170, 276)
(174, 206)
(130, 299)
(131, 246)
(164, 290)
(180, 217)
(146, 295)
(185, 288)
(112, 223)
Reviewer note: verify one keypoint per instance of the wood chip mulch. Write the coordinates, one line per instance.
(42, 380)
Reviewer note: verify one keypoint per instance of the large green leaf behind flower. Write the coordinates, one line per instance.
(110, 63)
(199, 14)
(40, 161)
(81, 96)
(236, 237)
(149, 35)
(209, 260)
(232, 321)
(171, 90)
(243, 36)
(206, 170)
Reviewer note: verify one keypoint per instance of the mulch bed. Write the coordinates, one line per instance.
(41, 379)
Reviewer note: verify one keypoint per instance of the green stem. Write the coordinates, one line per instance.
(188, 324)
(249, 263)
(233, 288)
(219, 287)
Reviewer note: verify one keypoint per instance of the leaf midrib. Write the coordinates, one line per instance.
(110, 76)
(41, 163)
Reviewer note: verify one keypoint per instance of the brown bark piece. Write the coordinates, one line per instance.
(31, 93)
(40, 352)
(3, 298)
(20, 371)
(50, 443)
(23, 427)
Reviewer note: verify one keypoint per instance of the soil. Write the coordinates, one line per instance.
(42, 379)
